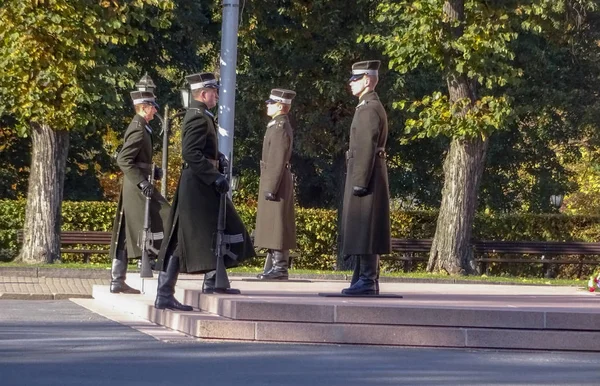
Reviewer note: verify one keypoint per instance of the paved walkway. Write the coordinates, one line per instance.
(46, 288)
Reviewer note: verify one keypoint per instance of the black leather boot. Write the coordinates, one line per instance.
(268, 264)
(208, 286)
(367, 281)
(280, 266)
(118, 274)
(167, 279)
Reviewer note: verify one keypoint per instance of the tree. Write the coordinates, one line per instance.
(56, 69)
(470, 44)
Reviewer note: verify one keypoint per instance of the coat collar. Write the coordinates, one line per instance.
(194, 104)
(370, 96)
(277, 119)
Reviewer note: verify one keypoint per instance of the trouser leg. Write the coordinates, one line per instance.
(165, 292)
(209, 284)
(280, 266)
(268, 264)
(119, 273)
(356, 272)
(367, 281)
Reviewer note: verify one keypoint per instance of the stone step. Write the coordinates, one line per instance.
(568, 321)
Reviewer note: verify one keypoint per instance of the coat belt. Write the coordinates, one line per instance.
(143, 165)
(379, 152)
(214, 163)
(287, 165)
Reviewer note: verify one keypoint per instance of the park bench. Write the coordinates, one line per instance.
(99, 238)
(80, 238)
(483, 248)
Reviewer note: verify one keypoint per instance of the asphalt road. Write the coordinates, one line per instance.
(60, 343)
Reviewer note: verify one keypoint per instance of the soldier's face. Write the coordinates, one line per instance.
(211, 97)
(358, 86)
(149, 111)
(272, 109)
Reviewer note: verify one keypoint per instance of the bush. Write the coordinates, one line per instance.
(317, 231)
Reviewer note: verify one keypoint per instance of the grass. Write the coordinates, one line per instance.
(418, 275)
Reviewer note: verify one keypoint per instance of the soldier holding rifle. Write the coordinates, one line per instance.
(192, 230)
(135, 160)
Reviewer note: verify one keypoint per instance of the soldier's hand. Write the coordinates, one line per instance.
(221, 185)
(158, 173)
(270, 196)
(359, 191)
(223, 164)
(147, 188)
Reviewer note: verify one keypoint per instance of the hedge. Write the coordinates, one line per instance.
(317, 228)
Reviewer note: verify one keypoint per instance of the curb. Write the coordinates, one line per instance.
(24, 296)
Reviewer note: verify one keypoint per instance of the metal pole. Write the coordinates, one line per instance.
(229, 38)
(165, 152)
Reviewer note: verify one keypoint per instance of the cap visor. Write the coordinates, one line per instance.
(155, 105)
(269, 101)
(355, 77)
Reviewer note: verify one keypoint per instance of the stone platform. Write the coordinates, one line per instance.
(430, 315)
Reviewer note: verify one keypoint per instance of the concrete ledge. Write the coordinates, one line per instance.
(549, 322)
(435, 316)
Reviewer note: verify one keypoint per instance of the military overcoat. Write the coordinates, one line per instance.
(192, 224)
(366, 220)
(135, 161)
(275, 221)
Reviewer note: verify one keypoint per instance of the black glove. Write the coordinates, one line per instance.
(221, 185)
(223, 164)
(270, 196)
(359, 191)
(147, 188)
(158, 173)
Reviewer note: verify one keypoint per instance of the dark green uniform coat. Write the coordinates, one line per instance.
(366, 220)
(135, 161)
(193, 219)
(275, 222)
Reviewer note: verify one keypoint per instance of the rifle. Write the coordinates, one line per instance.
(223, 241)
(145, 239)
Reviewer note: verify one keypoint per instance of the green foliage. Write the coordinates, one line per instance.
(317, 228)
(55, 60)
(437, 116)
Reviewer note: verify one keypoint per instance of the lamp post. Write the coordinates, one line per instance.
(556, 200)
(146, 84)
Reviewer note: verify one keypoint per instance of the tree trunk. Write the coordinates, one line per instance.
(451, 248)
(41, 231)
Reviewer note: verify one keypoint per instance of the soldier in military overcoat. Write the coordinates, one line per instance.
(366, 209)
(135, 161)
(275, 221)
(193, 220)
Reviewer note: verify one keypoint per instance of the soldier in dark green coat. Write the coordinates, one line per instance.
(135, 161)
(275, 221)
(193, 219)
(366, 210)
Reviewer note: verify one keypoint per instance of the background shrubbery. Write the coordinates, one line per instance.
(317, 231)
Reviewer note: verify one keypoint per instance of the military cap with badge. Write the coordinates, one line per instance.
(280, 95)
(366, 67)
(143, 97)
(202, 80)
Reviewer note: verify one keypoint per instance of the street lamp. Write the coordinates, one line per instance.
(146, 84)
(556, 200)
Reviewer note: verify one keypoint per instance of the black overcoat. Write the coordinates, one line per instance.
(366, 220)
(193, 220)
(135, 161)
(275, 222)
